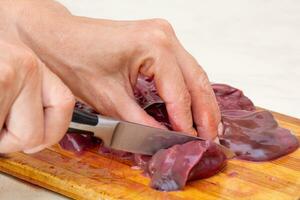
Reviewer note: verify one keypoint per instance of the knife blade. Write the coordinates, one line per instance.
(128, 136)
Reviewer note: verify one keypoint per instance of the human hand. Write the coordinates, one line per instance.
(100, 61)
(35, 105)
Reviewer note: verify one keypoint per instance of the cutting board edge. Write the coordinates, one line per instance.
(36, 180)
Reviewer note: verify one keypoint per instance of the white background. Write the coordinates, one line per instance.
(253, 45)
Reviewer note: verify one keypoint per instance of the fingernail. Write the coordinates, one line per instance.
(220, 129)
(216, 140)
(203, 133)
(194, 132)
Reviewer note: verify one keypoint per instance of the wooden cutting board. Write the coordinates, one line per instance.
(92, 176)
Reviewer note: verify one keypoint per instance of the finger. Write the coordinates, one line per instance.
(7, 80)
(8, 143)
(24, 124)
(172, 89)
(58, 102)
(120, 103)
(205, 109)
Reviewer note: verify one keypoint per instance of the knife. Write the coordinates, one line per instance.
(128, 136)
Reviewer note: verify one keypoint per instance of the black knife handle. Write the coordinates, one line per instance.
(82, 117)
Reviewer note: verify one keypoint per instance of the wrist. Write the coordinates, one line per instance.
(59, 39)
(46, 27)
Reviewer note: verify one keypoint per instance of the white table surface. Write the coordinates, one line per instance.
(253, 45)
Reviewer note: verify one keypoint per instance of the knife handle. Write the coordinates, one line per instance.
(99, 126)
(82, 117)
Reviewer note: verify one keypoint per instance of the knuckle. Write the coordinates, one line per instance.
(185, 98)
(159, 37)
(67, 100)
(162, 24)
(201, 81)
(9, 72)
(7, 75)
(160, 32)
(30, 63)
(188, 99)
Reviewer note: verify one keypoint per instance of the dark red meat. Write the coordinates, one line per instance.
(78, 142)
(212, 161)
(120, 154)
(250, 134)
(171, 168)
(142, 161)
(230, 98)
(145, 92)
(146, 96)
(255, 135)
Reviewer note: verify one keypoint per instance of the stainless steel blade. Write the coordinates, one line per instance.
(137, 138)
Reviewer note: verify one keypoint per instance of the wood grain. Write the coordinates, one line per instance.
(92, 176)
